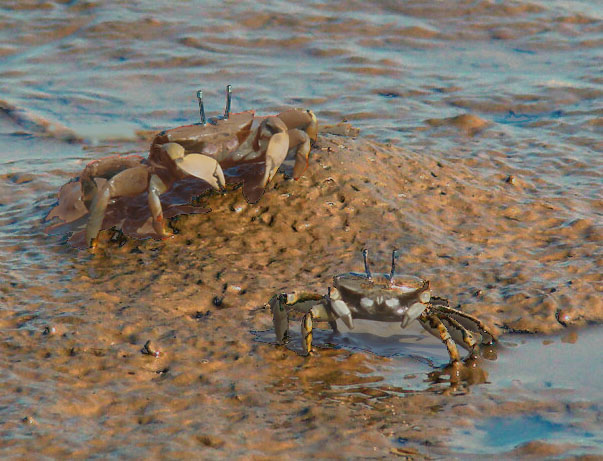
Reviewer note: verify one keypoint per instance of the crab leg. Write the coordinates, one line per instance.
(156, 188)
(282, 303)
(303, 129)
(306, 332)
(302, 119)
(300, 141)
(459, 333)
(280, 316)
(468, 321)
(434, 325)
(106, 169)
(128, 183)
(278, 146)
(320, 313)
(312, 305)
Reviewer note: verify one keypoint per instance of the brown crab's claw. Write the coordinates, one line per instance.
(300, 140)
(197, 165)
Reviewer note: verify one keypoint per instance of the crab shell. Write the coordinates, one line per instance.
(402, 298)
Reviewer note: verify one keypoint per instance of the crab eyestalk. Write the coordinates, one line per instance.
(201, 109)
(228, 98)
(366, 266)
(392, 273)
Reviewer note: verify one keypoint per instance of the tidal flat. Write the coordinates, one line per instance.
(466, 135)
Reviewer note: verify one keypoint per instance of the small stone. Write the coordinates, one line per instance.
(149, 349)
(267, 218)
(210, 441)
(564, 317)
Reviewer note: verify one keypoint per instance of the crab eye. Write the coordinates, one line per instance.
(425, 296)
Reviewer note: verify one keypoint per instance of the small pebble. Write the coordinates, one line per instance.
(564, 317)
(149, 349)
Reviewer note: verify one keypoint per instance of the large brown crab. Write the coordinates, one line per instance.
(202, 151)
(385, 298)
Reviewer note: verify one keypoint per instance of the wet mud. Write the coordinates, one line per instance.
(161, 337)
(471, 144)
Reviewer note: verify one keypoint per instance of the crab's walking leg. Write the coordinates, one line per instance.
(320, 313)
(459, 333)
(127, 183)
(312, 305)
(276, 153)
(300, 141)
(280, 316)
(303, 129)
(468, 321)
(434, 325)
(156, 188)
(306, 332)
(303, 119)
(302, 302)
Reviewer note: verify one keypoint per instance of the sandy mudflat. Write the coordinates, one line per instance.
(77, 385)
(490, 188)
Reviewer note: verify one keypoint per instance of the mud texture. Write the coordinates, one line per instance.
(154, 337)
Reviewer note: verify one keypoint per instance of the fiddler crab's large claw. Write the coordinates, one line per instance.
(202, 150)
(384, 298)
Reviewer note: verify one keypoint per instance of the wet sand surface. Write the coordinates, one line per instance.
(494, 196)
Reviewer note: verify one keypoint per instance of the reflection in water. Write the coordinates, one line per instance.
(421, 357)
(459, 376)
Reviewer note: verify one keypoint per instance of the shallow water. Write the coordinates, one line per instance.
(495, 196)
(525, 368)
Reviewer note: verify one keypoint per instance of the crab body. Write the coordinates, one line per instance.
(243, 138)
(202, 150)
(384, 298)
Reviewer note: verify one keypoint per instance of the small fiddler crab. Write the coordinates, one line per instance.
(201, 150)
(384, 298)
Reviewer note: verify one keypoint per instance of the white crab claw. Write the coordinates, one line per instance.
(343, 311)
(412, 313)
(203, 167)
(174, 150)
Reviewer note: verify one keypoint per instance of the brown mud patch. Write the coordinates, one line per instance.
(77, 359)
(516, 261)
